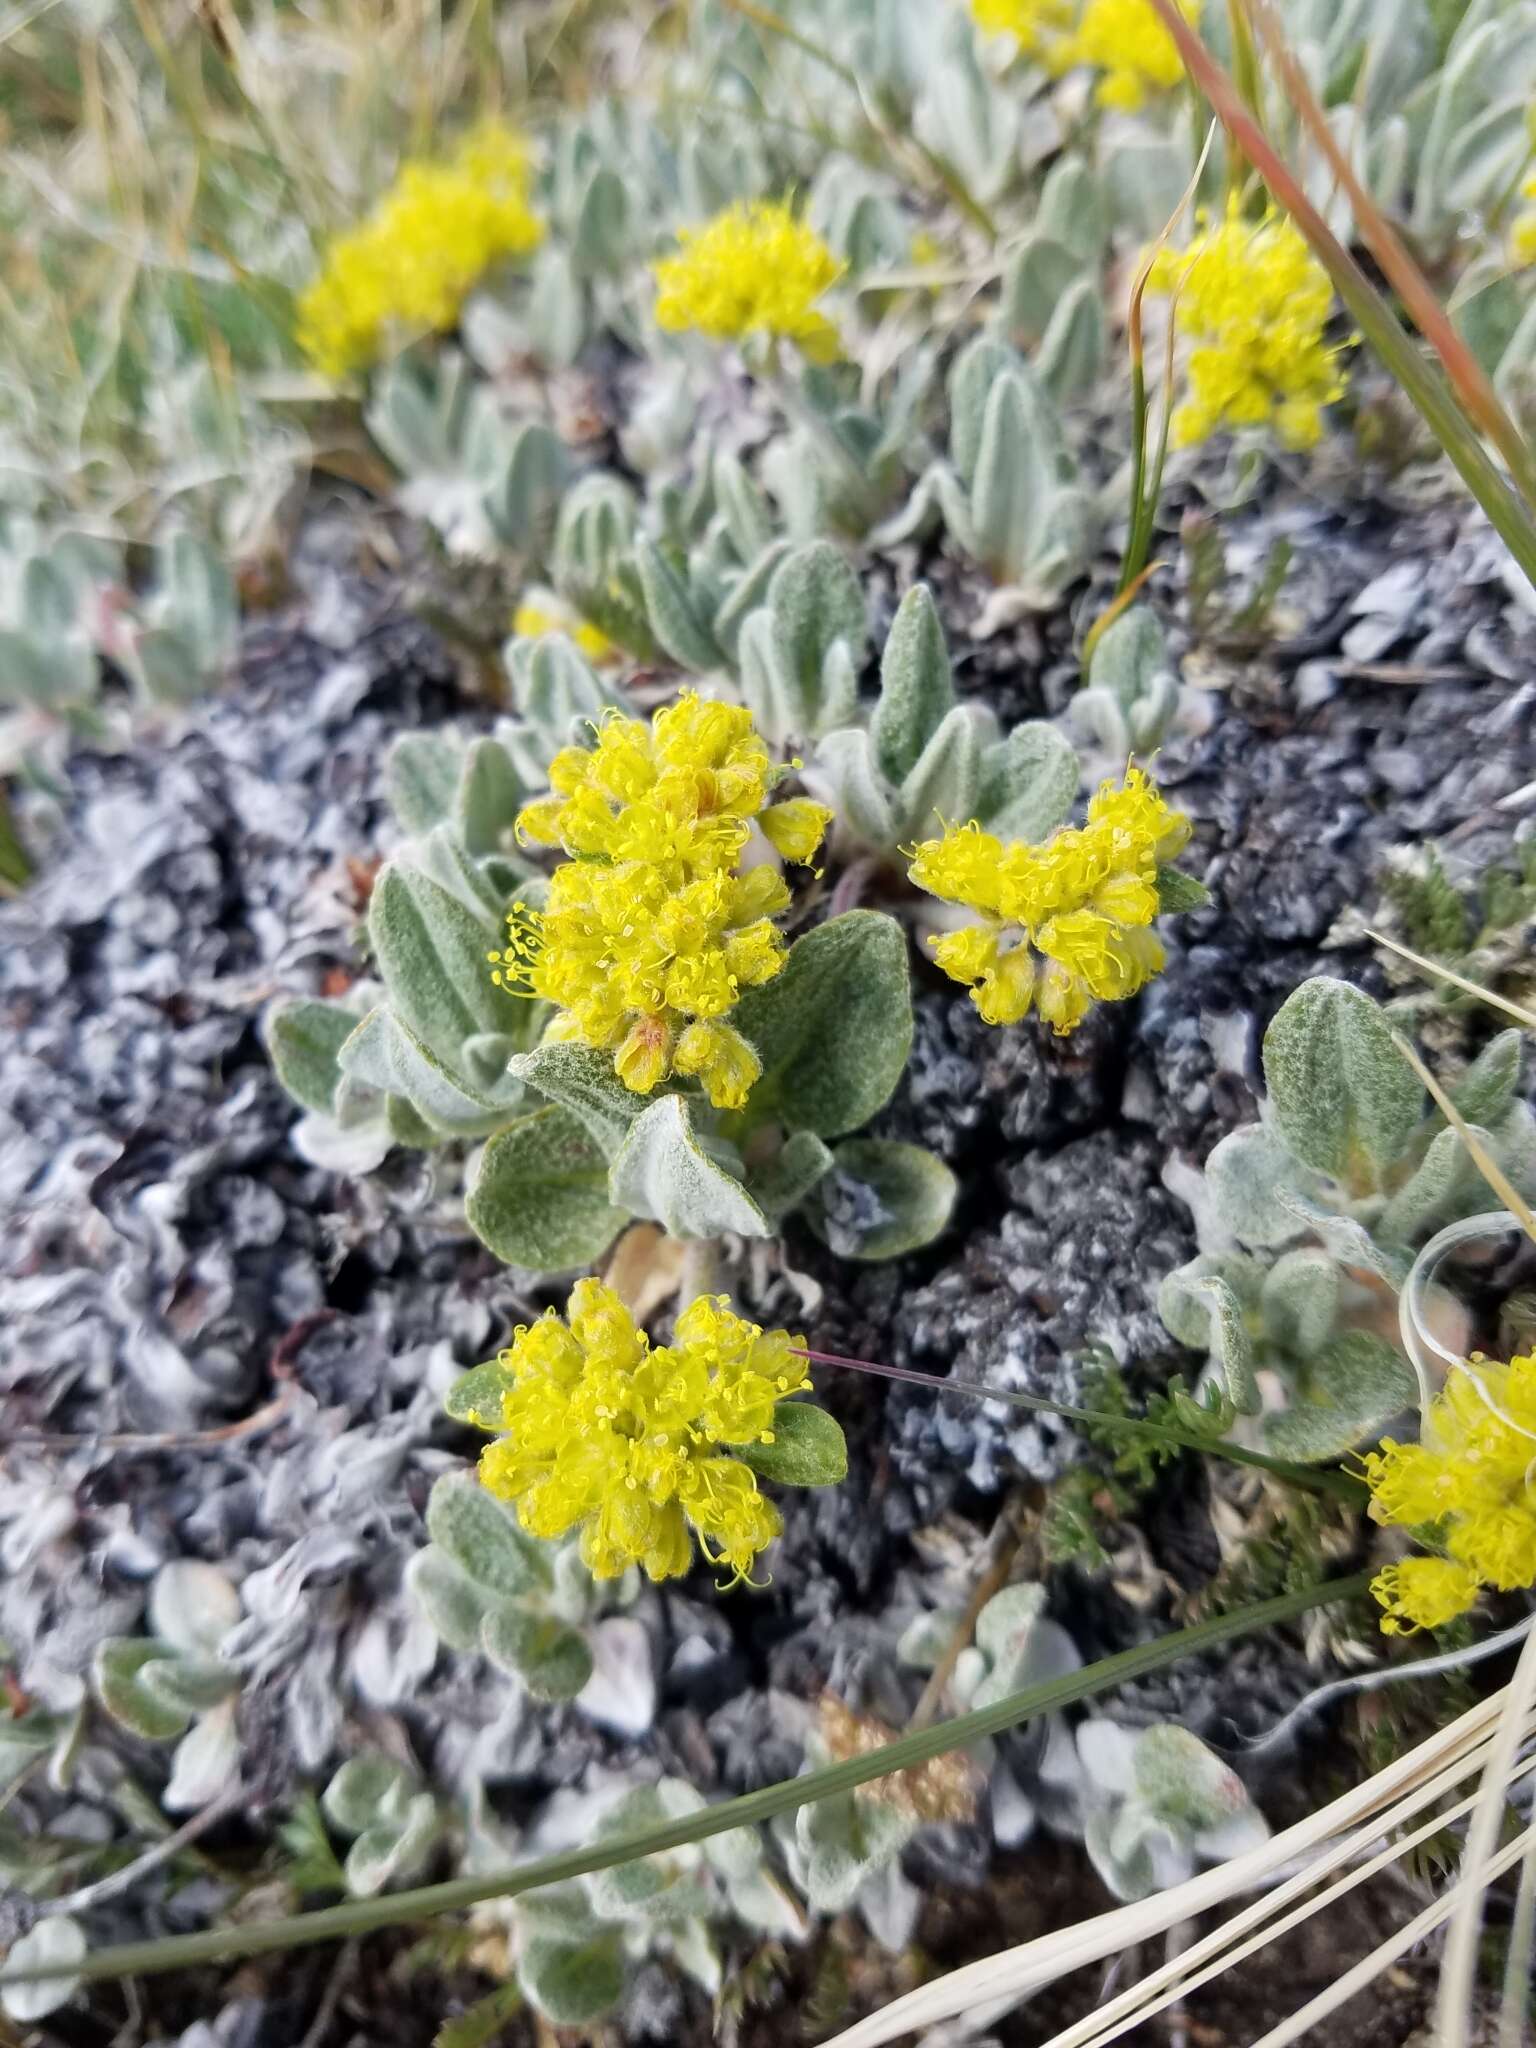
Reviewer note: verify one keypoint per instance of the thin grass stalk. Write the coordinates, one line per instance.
(1370, 1967)
(1215, 1956)
(1458, 1968)
(1443, 973)
(1515, 2001)
(751, 1809)
(1341, 1485)
(1467, 375)
(1481, 1157)
(1425, 1773)
(1424, 383)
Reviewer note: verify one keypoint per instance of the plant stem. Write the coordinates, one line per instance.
(750, 1809)
(701, 1270)
(1338, 1484)
(1002, 1550)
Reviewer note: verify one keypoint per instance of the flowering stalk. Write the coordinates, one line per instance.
(1338, 1485)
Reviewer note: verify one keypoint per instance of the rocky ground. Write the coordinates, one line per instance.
(211, 1349)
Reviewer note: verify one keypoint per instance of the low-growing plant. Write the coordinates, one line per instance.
(173, 1684)
(1308, 1219)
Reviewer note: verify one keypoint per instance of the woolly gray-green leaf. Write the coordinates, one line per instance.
(431, 952)
(1244, 1176)
(573, 1985)
(1012, 486)
(748, 596)
(550, 1660)
(779, 1184)
(808, 1448)
(946, 779)
(489, 796)
(916, 687)
(881, 1198)
(1300, 1301)
(671, 612)
(451, 1601)
(864, 800)
(303, 1040)
(743, 507)
(1028, 782)
(1231, 1345)
(392, 1849)
(116, 1673)
(421, 776)
(1186, 1312)
(1036, 278)
(834, 1028)
(661, 1171)
(1177, 891)
(476, 1396)
(484, 1538)
(976, 370)
(367, 1789)
(1355, 1386)
(1072, 349)
(1183, 1782)
(1129, 655)
(54, 1940)
(1431, 1193)
(384, 1053)
(1346, 1238)
(1487, 1088)
(582, 1080)
(816, 600)
(187, 1685)
(1344, 1098)
(539, 1197)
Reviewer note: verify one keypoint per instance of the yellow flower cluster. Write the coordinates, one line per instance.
(1035, 25)
(1472, 1477)
(1126, 41)
(1065, 925)
(648, 936)
(623, 1442)
(1523, 233)
(544, 613)
(414, 260)
(1255, 302)
(754, 269)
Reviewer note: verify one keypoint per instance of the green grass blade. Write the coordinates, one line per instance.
(361, 1916)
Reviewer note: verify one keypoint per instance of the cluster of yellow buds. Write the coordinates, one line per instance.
(1255, 301)
(624, 1442)
(1472, 1479)
(412, 263)
(754, 269)
(649, 935)
(1122, 39)
(1065, 925)
(1125, 40)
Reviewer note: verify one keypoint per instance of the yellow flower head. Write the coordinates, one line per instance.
(1472, 1479)
(628, 1443)
(649, 935)
(1255, 302)
(1127, 42)
(1033, 24)
(412, 263)
(543, 613)
(753, 269)
(1065, 925)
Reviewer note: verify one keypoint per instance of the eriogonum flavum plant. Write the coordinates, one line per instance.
(1064, 925)
(1471, 1480)
(753, 270)
(631, 1445)
(650, 933)
(1255, 302)
(426, 244)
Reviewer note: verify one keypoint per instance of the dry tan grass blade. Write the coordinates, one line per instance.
(1025, 1968)
(1442, 973)
(1482, 1158)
